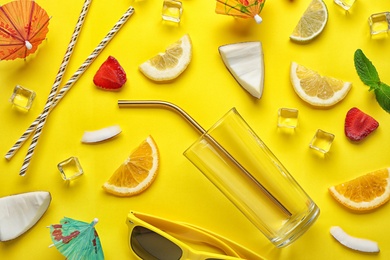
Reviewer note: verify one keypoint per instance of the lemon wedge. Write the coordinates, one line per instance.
(171, 63)
(315, 89)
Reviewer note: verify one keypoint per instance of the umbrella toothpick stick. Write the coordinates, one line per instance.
(69, 84)
(200, 129)
(249, 9)
(58, 79)
(76, 239)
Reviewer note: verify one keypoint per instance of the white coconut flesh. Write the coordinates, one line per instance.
(19, 213)
(359, 244)
(245, 61)
(101, 134)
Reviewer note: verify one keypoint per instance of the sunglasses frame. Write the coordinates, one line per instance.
(175, 231)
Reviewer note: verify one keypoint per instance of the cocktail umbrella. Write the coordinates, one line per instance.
(77, 240)
(241, 8)
(23, 26)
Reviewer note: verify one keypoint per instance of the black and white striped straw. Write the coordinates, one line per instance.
(58, 79)
(69, 84)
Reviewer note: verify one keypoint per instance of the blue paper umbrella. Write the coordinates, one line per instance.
(77, 240)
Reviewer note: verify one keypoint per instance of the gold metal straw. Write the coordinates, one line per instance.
(200, 129)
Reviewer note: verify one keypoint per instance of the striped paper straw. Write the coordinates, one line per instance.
(58, 79)
(68, 86)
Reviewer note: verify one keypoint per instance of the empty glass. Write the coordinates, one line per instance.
(242, 167)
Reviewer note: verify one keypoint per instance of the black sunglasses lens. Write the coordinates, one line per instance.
(151, 246)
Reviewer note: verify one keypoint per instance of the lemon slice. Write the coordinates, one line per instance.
(364, 193)
(317, 90)
(137, 172)
(312, 22)
(171, 63)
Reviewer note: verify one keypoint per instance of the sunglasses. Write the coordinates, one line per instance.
(148, 241)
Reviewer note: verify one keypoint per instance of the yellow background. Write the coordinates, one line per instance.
(205, 90)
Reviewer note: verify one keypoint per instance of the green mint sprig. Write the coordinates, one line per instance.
(369, 76)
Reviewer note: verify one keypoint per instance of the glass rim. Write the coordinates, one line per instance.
(231, 111)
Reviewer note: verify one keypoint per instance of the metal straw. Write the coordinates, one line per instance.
(58, 79)
(69, 84)
(200, 129)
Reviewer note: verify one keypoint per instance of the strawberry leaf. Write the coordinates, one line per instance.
(366, 70)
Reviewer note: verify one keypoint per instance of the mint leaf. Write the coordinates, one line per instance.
(366, 70)
(382, 95)
(369, 76)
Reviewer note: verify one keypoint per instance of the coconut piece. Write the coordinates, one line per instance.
(245, 61)
(20, 212)
(101, 134)
(359, 244)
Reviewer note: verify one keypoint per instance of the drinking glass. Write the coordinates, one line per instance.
(241, 166)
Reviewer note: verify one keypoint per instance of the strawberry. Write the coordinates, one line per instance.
(358, 124)
(110, 75)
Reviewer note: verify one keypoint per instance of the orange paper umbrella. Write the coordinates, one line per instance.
(23, 26)
(241, 8)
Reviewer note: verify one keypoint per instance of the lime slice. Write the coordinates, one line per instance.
(312, 22)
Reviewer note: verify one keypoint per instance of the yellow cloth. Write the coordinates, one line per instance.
(205, 90)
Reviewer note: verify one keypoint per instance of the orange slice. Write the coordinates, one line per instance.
(364, 193)
(137, 172)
